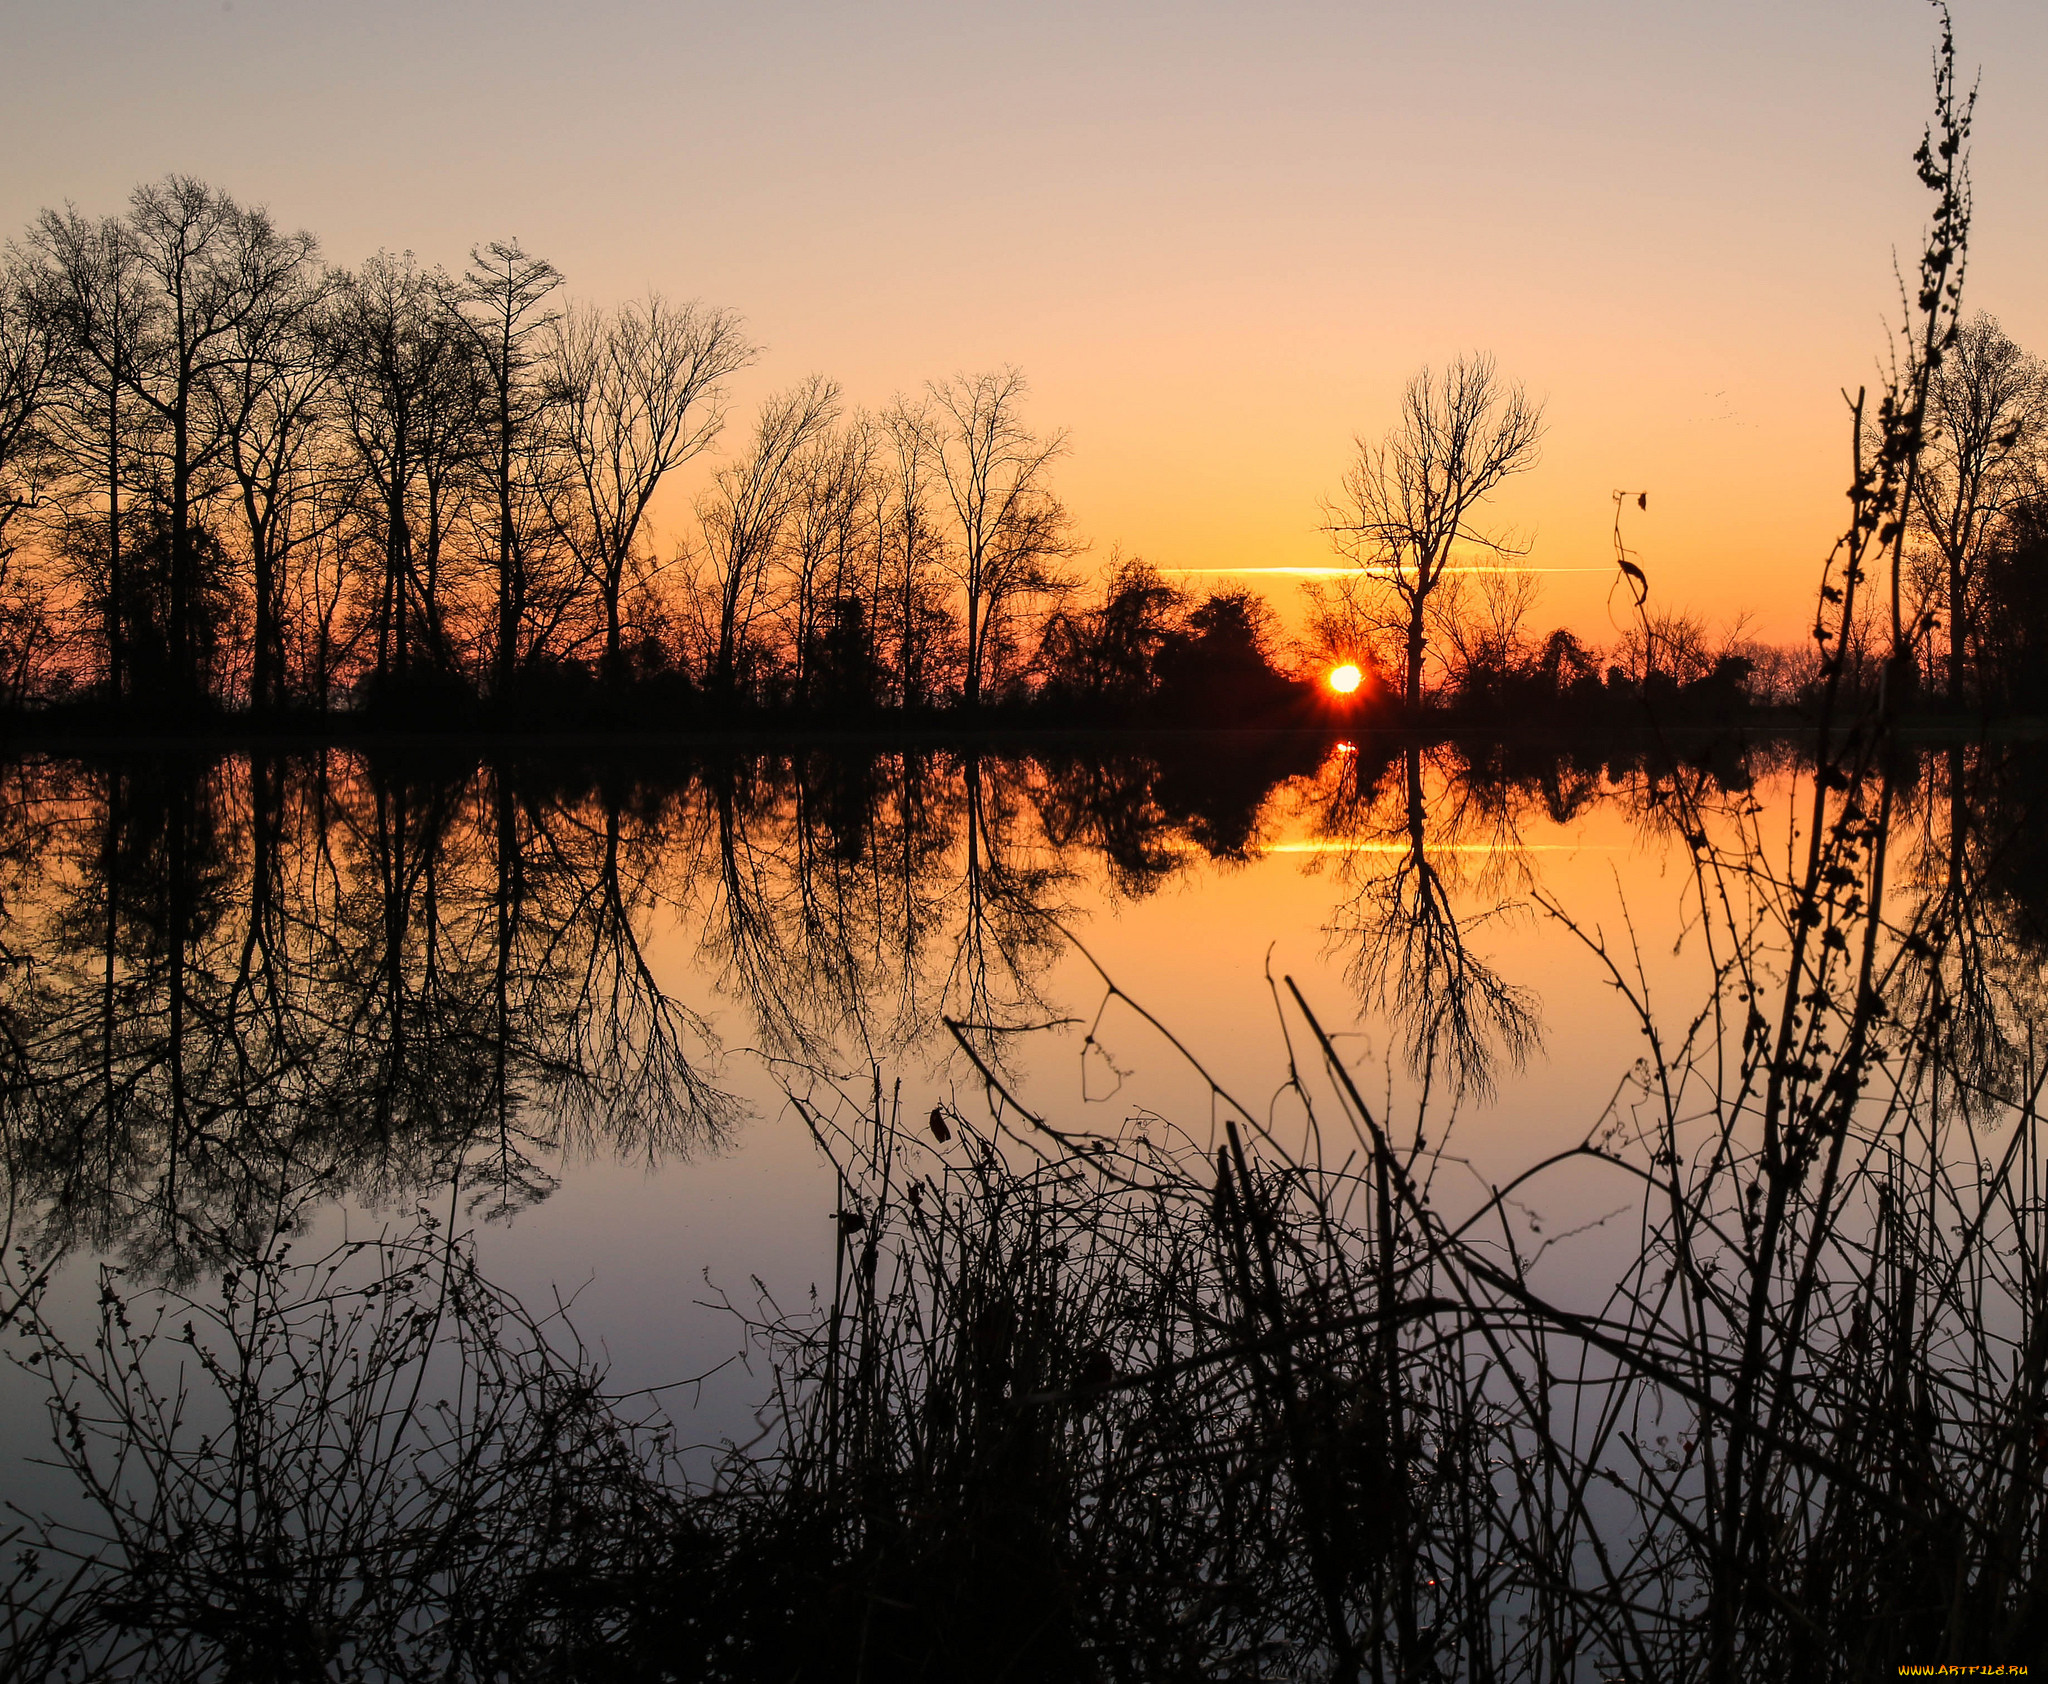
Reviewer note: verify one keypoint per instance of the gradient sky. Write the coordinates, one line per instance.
(1217, 238)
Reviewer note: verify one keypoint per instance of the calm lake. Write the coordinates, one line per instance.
(617, 1018)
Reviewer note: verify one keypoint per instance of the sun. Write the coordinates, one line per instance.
(1346, 678)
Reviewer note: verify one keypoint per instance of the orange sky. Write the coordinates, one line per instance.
(1216, 237)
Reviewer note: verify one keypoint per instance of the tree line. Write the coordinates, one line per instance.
(233, 475)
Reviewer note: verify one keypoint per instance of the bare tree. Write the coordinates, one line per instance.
(1988, 423)
(92, 284)
(745, 516)
(29, 369)
(1409, 500)
(1669, 649)
(28, 376)
(214, 270)
(270, 402)
(914, 547)
(412, 388)
(502, 303)
(835, 564)
(639, 392)
(1009, 527)
(1489, 639)
(321, 636)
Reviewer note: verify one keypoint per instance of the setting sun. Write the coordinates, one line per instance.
(1346, 679)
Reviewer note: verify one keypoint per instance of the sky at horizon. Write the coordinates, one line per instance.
(1216, 238)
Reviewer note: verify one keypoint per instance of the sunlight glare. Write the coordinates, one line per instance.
(1346, 679)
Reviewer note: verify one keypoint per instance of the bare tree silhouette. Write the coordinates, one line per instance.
(640, 393)
(1009, 530)
(1412, 500)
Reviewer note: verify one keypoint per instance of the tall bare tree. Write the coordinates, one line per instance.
(1409, 501)
(29, 374)
(98, 303)
(29, 370)
(1010, 531)
(1987, 429)
(913, 543)
(270, 401)
(745, 517)
(412, 389)
(214, 269)
(835, 564)
(502, 302)
(639, 392)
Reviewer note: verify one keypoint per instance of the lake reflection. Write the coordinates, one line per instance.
(236, 980)
(243, 992)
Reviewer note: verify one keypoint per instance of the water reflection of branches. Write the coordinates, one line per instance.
(616, 1056)
(1186, 1407)
(851, 899)
(1968, 812)
(1407, 950)
(255, 977)
(243, 977)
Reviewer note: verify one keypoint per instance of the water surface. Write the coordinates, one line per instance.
(600, 1015)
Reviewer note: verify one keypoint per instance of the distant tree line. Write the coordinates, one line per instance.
(1440, 615)
(235, 476)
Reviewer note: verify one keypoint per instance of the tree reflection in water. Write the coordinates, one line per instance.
(236, 984)
(1108, 1406)
(233, 984)
(1406, 945)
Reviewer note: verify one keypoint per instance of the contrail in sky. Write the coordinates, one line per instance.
(1339, 572)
